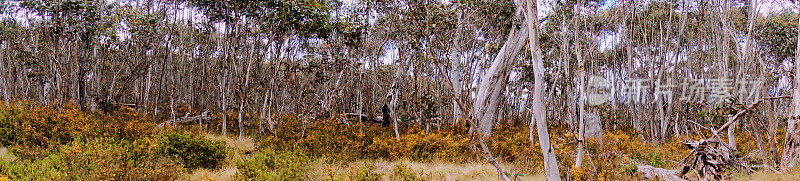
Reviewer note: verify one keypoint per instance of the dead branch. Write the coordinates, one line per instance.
(486, 153)
(199, 118)
(650, 172)
(708, 159)
(744, 111)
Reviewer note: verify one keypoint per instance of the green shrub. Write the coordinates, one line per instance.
(43, 169)
(366, 173)
(656, 160)
(194, 151)
(98, 159)
(8, 134)
(402, 172)
(271, 165)
(42, 127)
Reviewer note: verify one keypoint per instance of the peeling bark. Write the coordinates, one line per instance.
(493, 83)
(791, 152)
(550, 165)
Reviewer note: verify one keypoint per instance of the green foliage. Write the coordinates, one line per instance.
(43, 169)
(194, 151)
(630, 169)
(98, 159)
(8, 133)
(269, 164)
(307, 18)
(656, 160)
(513, 175)
(778, 35)
(402, 172)
(82, 17)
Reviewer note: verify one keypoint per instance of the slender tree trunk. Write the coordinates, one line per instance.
(3, 81)
(581, 106)
(726, 67)
(539, 114)
(392, 99)
(243, 97)
(791, 151)
(148, 84)
(86, 38)
(758, 132)
(266, 109)
(455, 67)
(223, 87)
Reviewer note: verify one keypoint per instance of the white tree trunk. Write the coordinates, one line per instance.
(791, 150)
(582, 108)
(455, 69)
(223, 90)
(550, 165)
(3, 80)
(392, 99)
(263, 112)
(494, 81)
(456, 78)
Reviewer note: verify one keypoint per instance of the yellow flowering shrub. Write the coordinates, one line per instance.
(329, 137)
(53, 143)
(44, 127)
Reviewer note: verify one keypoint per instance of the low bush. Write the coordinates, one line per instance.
(8, 133)
(269, 164)
(42, 127)
(404, 173)
(97, 159)
(328, 137)
(365, 173)
(192, 150)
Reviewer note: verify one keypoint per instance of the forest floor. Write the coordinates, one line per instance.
(43, 143)
(383, 169)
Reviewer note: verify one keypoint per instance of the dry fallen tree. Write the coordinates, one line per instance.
(186, 118)
(709, 157)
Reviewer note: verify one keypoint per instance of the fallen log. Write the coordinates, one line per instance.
(650, 172)
(708, 159)
(199, 118)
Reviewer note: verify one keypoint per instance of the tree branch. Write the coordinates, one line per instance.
(744, 111)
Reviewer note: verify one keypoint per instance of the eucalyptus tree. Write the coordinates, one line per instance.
(277, 20)
(76, 24)
(791, 153)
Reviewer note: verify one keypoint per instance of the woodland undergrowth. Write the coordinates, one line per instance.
(47, 143)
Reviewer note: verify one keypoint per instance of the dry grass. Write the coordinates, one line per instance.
(222, 174)
(434, 170)
(243, 146)
(770, 175)
(6, 155)
(239, 148)
(325, 168)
